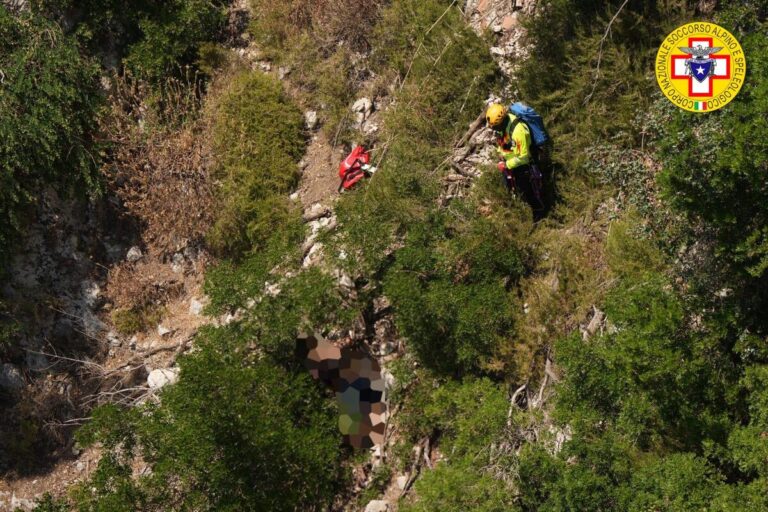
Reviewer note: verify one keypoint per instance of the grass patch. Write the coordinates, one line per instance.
(128, 321)
(258, 140)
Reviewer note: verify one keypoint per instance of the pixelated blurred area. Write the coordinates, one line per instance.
(356, 379)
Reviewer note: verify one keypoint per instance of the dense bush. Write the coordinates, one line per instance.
(449, 287)
(714, 174)
(153, 39)
(258, 140)
(236, 433)
(48, 104)
(468, 418)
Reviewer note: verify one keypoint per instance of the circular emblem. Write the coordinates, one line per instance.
(700, 67)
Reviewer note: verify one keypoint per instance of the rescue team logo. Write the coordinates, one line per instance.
(700, 67)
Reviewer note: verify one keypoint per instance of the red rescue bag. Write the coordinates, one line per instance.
(351, 168)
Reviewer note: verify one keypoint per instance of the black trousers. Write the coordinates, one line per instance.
(527, 180)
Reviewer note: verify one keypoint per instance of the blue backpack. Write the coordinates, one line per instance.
(533, 120)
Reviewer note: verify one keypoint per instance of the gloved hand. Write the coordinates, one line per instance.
(502, 166)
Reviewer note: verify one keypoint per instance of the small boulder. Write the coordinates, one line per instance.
(362, 109)
(113, 339)
(495, 50)
(163, 330)
(134, 254)
(177, 263)
(282, 72)
(22, 503)
(160, 378)
(196, 307)
(402, 481)
(363, 105)
(377, 506)
(310, 119)
(346, 282)
(509, 22)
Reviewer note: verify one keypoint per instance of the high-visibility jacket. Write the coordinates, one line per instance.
(515, 147)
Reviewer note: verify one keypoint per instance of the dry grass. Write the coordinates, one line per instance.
(330, 22)
(160, 162)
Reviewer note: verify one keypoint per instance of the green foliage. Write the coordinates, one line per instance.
(153, 39)
(378, 483)
(449, 285)
(633, 380)
(48, 104)
(258, 139)
(307, 302)
(459, 487)
(235, 433)
(317, 42)
(133, 320)
(560, 78)
(172, 34)
(50, 504)
(678, 482)
(631, 255)
(714, 166)
(469, 417)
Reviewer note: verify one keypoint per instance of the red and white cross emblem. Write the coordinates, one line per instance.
(703, 89)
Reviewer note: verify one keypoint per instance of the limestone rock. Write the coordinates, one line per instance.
(134, 254)
(160, 378)
(196, 306)
(363, 105)
(362, 109)
(346, 281)
(381, 304)
(177, 263)
(377, 506)
(114, 339)
(310, 119)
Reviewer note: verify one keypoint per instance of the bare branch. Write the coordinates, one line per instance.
(600, 53)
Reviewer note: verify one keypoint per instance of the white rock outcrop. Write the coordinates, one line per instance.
(160, 378)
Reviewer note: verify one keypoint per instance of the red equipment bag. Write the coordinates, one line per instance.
(351, 168)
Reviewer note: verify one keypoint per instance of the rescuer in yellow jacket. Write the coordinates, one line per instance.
(512, 136)
(514, 146)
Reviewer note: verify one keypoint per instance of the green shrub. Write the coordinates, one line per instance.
(131, 321)
(448, 286)
(48, 104)
(467, 418)
(459, 487)
(714, 167)
(258, 140)
(153, 39)
(232, 434)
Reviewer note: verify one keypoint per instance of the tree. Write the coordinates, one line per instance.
(48, 104)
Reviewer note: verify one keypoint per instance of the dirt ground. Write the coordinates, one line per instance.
(320, 179)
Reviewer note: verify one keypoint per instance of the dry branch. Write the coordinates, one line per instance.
(600, 52)
(476, 124)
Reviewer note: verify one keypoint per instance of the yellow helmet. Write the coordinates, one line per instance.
(495, 115)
